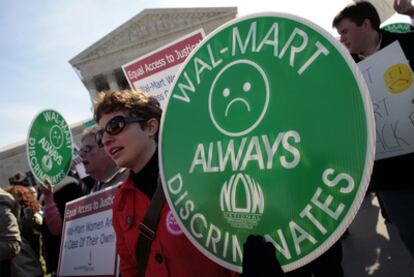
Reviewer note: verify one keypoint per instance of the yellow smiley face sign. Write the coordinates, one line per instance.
(398, 78)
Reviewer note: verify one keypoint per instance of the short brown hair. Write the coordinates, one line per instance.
(357, 13)
(134, 103)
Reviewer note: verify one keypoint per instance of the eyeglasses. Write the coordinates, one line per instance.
(85, 149)
(115, 126)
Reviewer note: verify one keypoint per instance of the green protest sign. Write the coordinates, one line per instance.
(268, 130)
(397, 27)
(49, 146)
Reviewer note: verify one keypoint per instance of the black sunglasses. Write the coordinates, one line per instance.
(115, 126)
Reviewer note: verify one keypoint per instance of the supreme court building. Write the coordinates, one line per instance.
(99, 66)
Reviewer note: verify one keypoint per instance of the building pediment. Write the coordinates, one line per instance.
(149, 25)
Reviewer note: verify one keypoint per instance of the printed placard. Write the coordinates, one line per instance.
(154, 73)
(88, 238)
(268, 130)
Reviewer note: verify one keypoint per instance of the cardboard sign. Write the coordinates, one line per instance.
(88, 238)
(154, 73)
(274, 130)
(390, 81)
(49, 147)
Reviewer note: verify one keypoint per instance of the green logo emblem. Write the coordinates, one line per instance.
(49, 147)
(268, 130)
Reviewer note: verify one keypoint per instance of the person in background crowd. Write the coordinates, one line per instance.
(129, 123)
(55, 198)
(30, 215)
(10, 240)
(33, 191)
(19, 179)
(98, 164)
(392, 178)
(17, 258)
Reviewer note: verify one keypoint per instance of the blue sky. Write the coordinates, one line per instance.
(38, 38)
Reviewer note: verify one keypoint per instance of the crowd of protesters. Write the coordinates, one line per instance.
(122, 150)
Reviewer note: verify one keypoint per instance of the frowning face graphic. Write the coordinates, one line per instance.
(398, 78)
(238, 98)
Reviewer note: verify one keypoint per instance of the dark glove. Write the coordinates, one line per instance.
(259, 258)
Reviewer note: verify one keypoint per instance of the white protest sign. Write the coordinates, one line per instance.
(390, 82)
(88, 238)
(154, 73)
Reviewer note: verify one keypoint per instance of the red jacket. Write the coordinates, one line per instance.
(172, 254)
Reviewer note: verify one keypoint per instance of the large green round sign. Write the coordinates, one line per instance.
(268, 130)
(49, 147)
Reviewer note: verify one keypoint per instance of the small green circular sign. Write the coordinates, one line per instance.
(268, 130)
(49, 146)
(397, 27)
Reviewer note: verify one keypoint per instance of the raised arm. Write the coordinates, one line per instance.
(51, 213)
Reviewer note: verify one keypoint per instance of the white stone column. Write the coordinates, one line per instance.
(93, 92)
(113, 84)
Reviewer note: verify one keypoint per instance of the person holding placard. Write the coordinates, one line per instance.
(392, 178)
(55, 199)
(129, 123)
